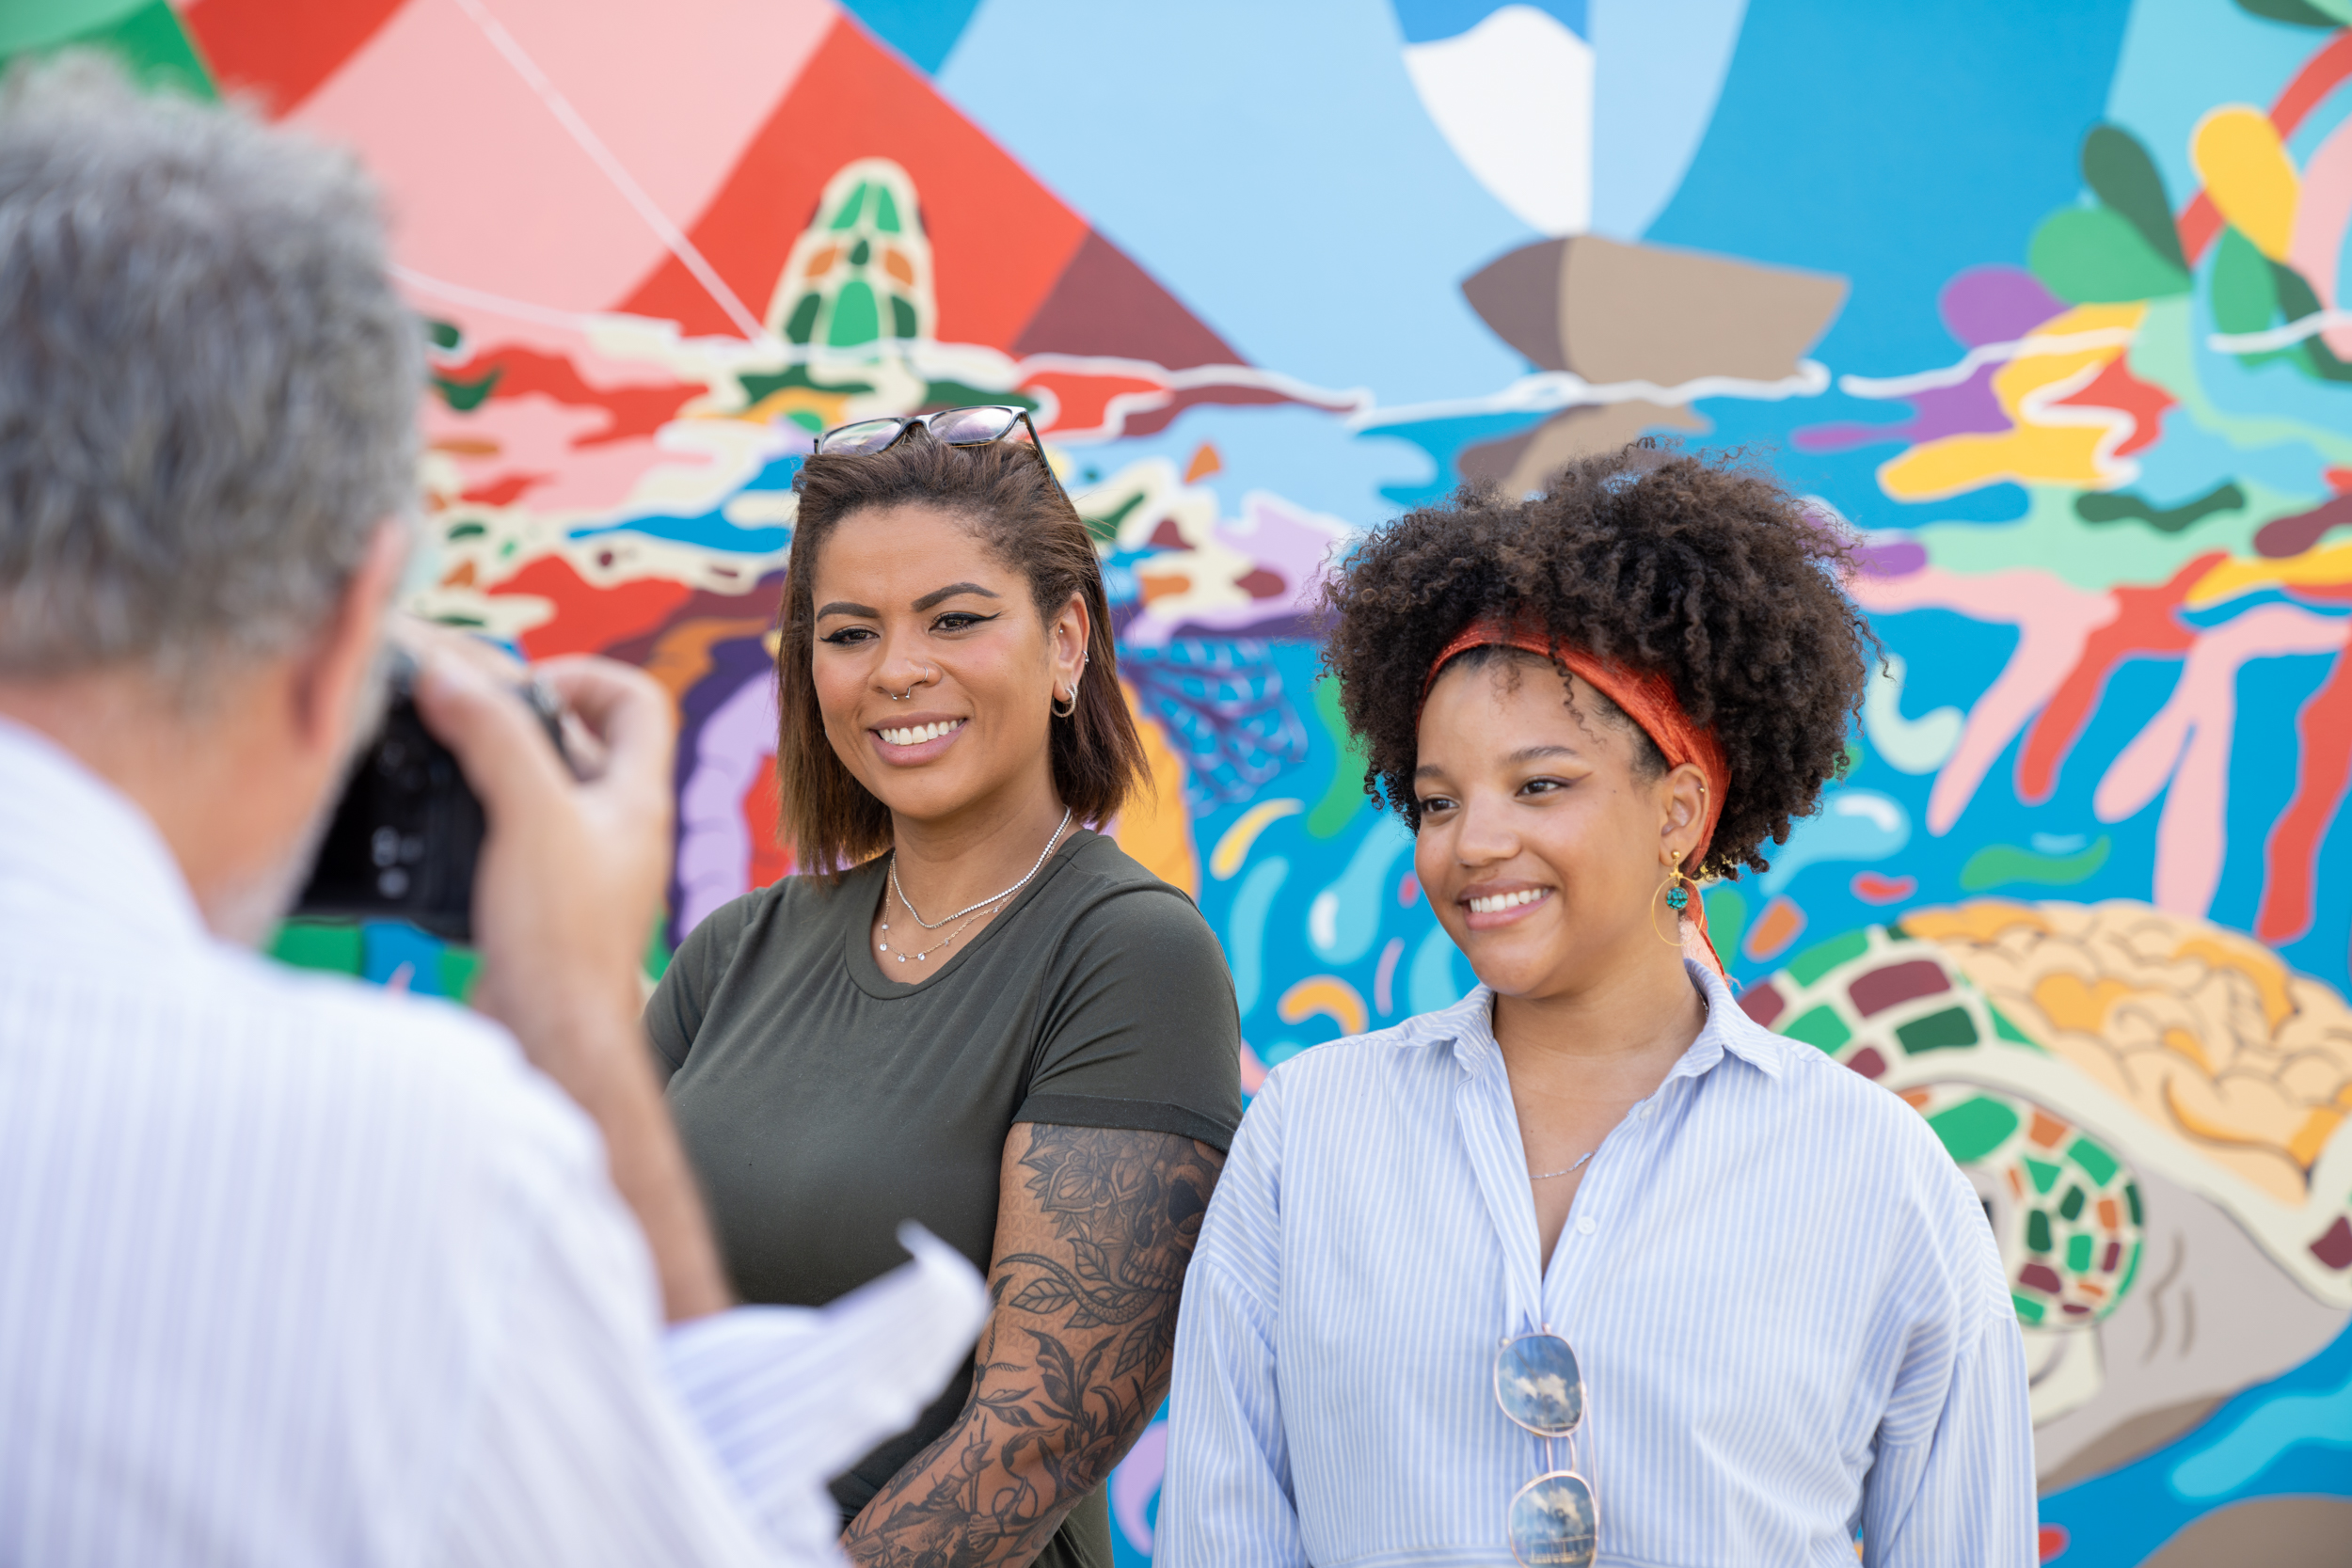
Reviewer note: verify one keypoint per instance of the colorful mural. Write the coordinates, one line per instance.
(2048, 301)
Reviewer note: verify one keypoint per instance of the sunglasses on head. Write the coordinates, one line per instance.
(981, 425)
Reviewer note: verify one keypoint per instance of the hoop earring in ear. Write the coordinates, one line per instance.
(1062, 711)
(1677, 888)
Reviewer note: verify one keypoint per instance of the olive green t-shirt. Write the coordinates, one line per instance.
(823, 1100)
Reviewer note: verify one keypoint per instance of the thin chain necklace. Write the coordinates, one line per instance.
(1548, 1175)
(967, 915)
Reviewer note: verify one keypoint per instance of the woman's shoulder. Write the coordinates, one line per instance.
(1108, 889)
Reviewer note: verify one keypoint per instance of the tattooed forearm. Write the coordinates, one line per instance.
(1093, 1232)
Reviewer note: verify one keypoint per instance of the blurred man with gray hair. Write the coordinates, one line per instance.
(294, 1271)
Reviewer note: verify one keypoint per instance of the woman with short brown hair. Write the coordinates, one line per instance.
(970, 1009)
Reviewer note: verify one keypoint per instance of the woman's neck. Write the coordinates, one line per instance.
(1632, 1019)
(948, 863)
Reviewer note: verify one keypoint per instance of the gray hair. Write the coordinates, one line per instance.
(208, 389)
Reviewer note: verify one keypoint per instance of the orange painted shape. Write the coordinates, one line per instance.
(1081, 402)
(589, 619)
(1918, 1098)
(2310, 1138)
(505, 491)
(634, 411)
(763, 808)
(2108, 1216)
(2118, 388)
(2047, 1130)
(1978, 922)
(2069, 1004)
(2016, 1183)
(1205, 462)
(1156, 587)
(1774, 930)
(999, 239)
(2339, 480)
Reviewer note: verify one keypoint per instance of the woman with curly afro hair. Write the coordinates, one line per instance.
(1590, 1266)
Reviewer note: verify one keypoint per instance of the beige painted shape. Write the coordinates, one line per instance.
(1524, 463)
(2263, 1532)
(1637, 312)
(2209, 1312)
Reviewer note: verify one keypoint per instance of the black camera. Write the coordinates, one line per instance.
(407, 833)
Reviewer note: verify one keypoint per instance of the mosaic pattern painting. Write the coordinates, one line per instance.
(2044, 299)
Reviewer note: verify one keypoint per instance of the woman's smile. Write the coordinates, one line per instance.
(1498, 904)
(915, 739)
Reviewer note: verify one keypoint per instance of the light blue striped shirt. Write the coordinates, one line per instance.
(1789, 1308)
(297, 1272)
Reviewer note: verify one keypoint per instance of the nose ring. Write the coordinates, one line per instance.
(930, 675)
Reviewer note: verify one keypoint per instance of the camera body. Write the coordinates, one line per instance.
(406, 833)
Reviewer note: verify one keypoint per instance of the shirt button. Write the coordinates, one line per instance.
(1584, 1226)
(1647, 1107)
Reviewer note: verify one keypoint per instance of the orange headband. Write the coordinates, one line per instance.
(1647, 697)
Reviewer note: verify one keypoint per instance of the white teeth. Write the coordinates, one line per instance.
(916, 734)
(1506, 901)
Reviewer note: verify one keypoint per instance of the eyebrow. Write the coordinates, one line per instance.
(843, 607)
(1525, 753)
(937, 594)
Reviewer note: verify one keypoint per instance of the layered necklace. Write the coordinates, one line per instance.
(967, 915)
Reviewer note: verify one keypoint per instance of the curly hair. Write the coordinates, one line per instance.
(1704, 570)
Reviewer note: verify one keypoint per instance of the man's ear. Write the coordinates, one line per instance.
(333, 676)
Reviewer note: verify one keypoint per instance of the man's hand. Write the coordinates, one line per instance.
(570, 880)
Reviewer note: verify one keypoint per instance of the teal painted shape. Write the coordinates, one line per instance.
(1344, 919)
(925, 31)
(386, 947)
(2267, 1432)
(1433, 982)
(1244, 929)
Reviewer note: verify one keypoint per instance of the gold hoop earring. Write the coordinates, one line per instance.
(1678, 889)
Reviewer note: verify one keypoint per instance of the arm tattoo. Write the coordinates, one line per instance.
(1093, 1232)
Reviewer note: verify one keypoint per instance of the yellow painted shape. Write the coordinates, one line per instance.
(2258, 964)
(1329, 995)
(1979, 923)
(2016, 381)
(1153, 826)
(2189, 1045)
(2068, 1003)
(2035, 454)
(2249, 174)
(1233, 848)
(2314, 1134)
(2321, 568)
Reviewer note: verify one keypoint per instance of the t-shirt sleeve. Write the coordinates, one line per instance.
(674, 1014)
(1142, 1032)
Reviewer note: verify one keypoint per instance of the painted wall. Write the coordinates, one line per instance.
(2042, 298)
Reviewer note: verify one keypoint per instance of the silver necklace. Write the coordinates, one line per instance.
(966, 915)
(1548, 1175)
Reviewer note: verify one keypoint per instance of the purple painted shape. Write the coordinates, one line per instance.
(1896, 558)
(1968, 408)
(1136, 1481)
(1878, 990)
(2041, 1277)
(1995, 305)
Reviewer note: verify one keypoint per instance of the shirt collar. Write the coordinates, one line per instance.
(1727, 1029)
(71, 840)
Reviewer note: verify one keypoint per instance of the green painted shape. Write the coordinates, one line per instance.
(445, 335)
(1726, 916)
(657, 953)
(2044, 1174)
(2131, 1199)
(2078, 1252)
(2300, 13)
(144, 35)
(905, 322)
(797, 326)
(2008, 1031)
(1949, 1030)
(1974, 1129)
(1999, 865)
(963, 394)
(885, 211)
(2117, 506)
(2095, 256)
(466, 530)
(2036, 1231)
(2296, 300)
(333, 945)
(2125, 179)
(1817, 960)
(467, 396)
(2100, 1165)
(2071, 1205)
(2029, 1311)
(1104, 526)
(2131, 1272)
(860, 253)
(460, 967)
(855, 320)
(1344, 794)
(1821, 1027)
(2244, 297)
(847, 217)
